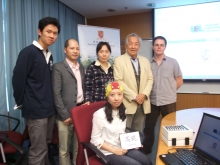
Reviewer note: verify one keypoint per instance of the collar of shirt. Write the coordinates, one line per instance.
(47, 53)
(153, 60)
(97, 63)
(115, 113)
(35, 43)
(72, 65)
(135, 60)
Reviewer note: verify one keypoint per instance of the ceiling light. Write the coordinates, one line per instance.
(111, 10)
(151, 4)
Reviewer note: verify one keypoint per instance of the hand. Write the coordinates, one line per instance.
(86, 103)
(119, 151)
(138, 147)
(67, 121)
(140, 98)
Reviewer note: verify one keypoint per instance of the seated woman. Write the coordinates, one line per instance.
(98, 74)
(108, 123)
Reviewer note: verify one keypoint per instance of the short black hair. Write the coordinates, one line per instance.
(159, 37)
(47, 21)
(100, 44)
(66, 44)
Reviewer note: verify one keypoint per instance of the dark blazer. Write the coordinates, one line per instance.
(64, 87)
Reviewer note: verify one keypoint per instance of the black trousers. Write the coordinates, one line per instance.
(150, 123)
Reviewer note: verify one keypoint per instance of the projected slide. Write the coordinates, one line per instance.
(193, 35)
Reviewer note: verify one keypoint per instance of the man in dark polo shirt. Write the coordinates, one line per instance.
(167, 79)
(32, 89)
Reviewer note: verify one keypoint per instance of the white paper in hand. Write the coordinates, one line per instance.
(130, 140)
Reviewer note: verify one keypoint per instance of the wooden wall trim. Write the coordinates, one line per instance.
(140, 23)
(186, 101)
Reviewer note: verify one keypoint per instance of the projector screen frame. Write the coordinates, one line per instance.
(185, 79)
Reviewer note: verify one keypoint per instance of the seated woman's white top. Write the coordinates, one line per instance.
(103, 131)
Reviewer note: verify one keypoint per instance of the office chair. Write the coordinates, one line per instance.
(25, 134)
(5, 139)
(11, 139)
(82, 120)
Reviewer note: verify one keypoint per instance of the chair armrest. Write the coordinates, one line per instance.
(132, 130)
(2, 134)
(103, 158)
(19, 148)
(18, 121)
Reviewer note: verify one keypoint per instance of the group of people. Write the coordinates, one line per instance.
(137, 92)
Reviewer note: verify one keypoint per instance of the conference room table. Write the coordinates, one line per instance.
(188, 117)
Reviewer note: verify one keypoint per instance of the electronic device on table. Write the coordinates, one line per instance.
(177, 135)
(206, 149)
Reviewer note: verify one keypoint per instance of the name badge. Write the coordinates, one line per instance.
(130, 140)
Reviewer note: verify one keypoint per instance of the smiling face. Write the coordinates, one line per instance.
(115, 98)
(72, 50)
(103, 54)
(48, 36)
(133, 46)
(159, 47)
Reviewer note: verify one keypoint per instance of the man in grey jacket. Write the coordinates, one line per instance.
(68, 92)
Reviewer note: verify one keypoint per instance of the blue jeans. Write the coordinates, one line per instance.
(132, 157)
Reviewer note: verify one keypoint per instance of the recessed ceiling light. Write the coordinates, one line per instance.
(151, 4)
(111, 10)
